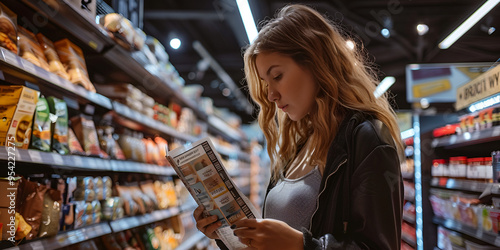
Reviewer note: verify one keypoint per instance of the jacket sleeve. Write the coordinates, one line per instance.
(376, 201)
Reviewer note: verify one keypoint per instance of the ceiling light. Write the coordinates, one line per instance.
(465, 26)
(350, 44)
(422, 29)
(385, 33)
(384, 86)
(247, 18)
(175, 43)
(424, 103)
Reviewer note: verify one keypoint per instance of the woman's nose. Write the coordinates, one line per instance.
(272, 95)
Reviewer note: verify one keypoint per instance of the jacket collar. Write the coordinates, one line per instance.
(338, 148)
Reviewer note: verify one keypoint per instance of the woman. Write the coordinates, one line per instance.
(334, 147)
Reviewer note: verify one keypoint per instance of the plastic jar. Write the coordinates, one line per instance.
(458, 167)
(488, 168)
(439, 168)
(475, 169)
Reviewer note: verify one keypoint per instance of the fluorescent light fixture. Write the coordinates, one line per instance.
(465, 26)
(247, 17)
(175, 43)
(422, 29)
(407, 133)
(384, 86)
(494, 100)
(386, 33)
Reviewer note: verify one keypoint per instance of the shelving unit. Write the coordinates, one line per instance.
(479, 234)
(466, 139)
(76, 162)
(465, 185)
(107, 62)
(67, 238)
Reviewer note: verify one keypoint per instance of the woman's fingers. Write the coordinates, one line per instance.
(197, 213)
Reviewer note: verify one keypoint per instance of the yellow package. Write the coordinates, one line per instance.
(23, 228)
(72, 58)
(17, 105)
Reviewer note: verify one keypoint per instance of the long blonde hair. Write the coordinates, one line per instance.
(345, 83)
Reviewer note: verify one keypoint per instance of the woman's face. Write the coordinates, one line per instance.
(290, 86)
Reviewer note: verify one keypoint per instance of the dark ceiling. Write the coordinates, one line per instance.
(218, 27)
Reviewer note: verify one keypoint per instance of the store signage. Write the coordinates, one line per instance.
(438, 82)
(479, 88)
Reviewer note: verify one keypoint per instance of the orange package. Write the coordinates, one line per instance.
(55, 64)
(72, 58)
(30, 49)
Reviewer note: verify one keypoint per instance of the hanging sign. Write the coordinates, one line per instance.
(479, 88)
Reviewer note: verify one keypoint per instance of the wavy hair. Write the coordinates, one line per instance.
(345, 81)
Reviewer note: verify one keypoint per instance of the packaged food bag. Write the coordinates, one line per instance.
(41, 126)
(8, 29)
(30, 49)
(59, 135)
(55, 64)
(74, 62)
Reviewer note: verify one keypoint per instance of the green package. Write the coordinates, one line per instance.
(41, 126)
(59, 136)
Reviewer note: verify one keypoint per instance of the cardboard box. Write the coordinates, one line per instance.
(17, 106)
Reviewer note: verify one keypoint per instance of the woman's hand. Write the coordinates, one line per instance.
(268, 234)
(207, 225)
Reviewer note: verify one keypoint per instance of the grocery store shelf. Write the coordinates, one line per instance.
(466, 139)
(70, 21)
(479, 234)
(191, 241)
(408, 218)
(83, 162)
(464, 185)
(137, 117)
(67, 238)
(141, 220)
(154, 85)
(408, 240)
(232, 152)
(223, 128)
(30, 72)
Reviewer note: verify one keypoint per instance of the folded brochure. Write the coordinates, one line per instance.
(201, 170)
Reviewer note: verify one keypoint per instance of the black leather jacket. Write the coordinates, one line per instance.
(361, 196)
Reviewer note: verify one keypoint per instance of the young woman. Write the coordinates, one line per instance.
(334, 147)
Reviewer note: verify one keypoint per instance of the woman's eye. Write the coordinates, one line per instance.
(277, 77)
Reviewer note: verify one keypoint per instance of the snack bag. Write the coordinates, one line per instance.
(41, 126)
(74, 63)
(59, 136)
(55, 64)
(8, 29)
(30, 49)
